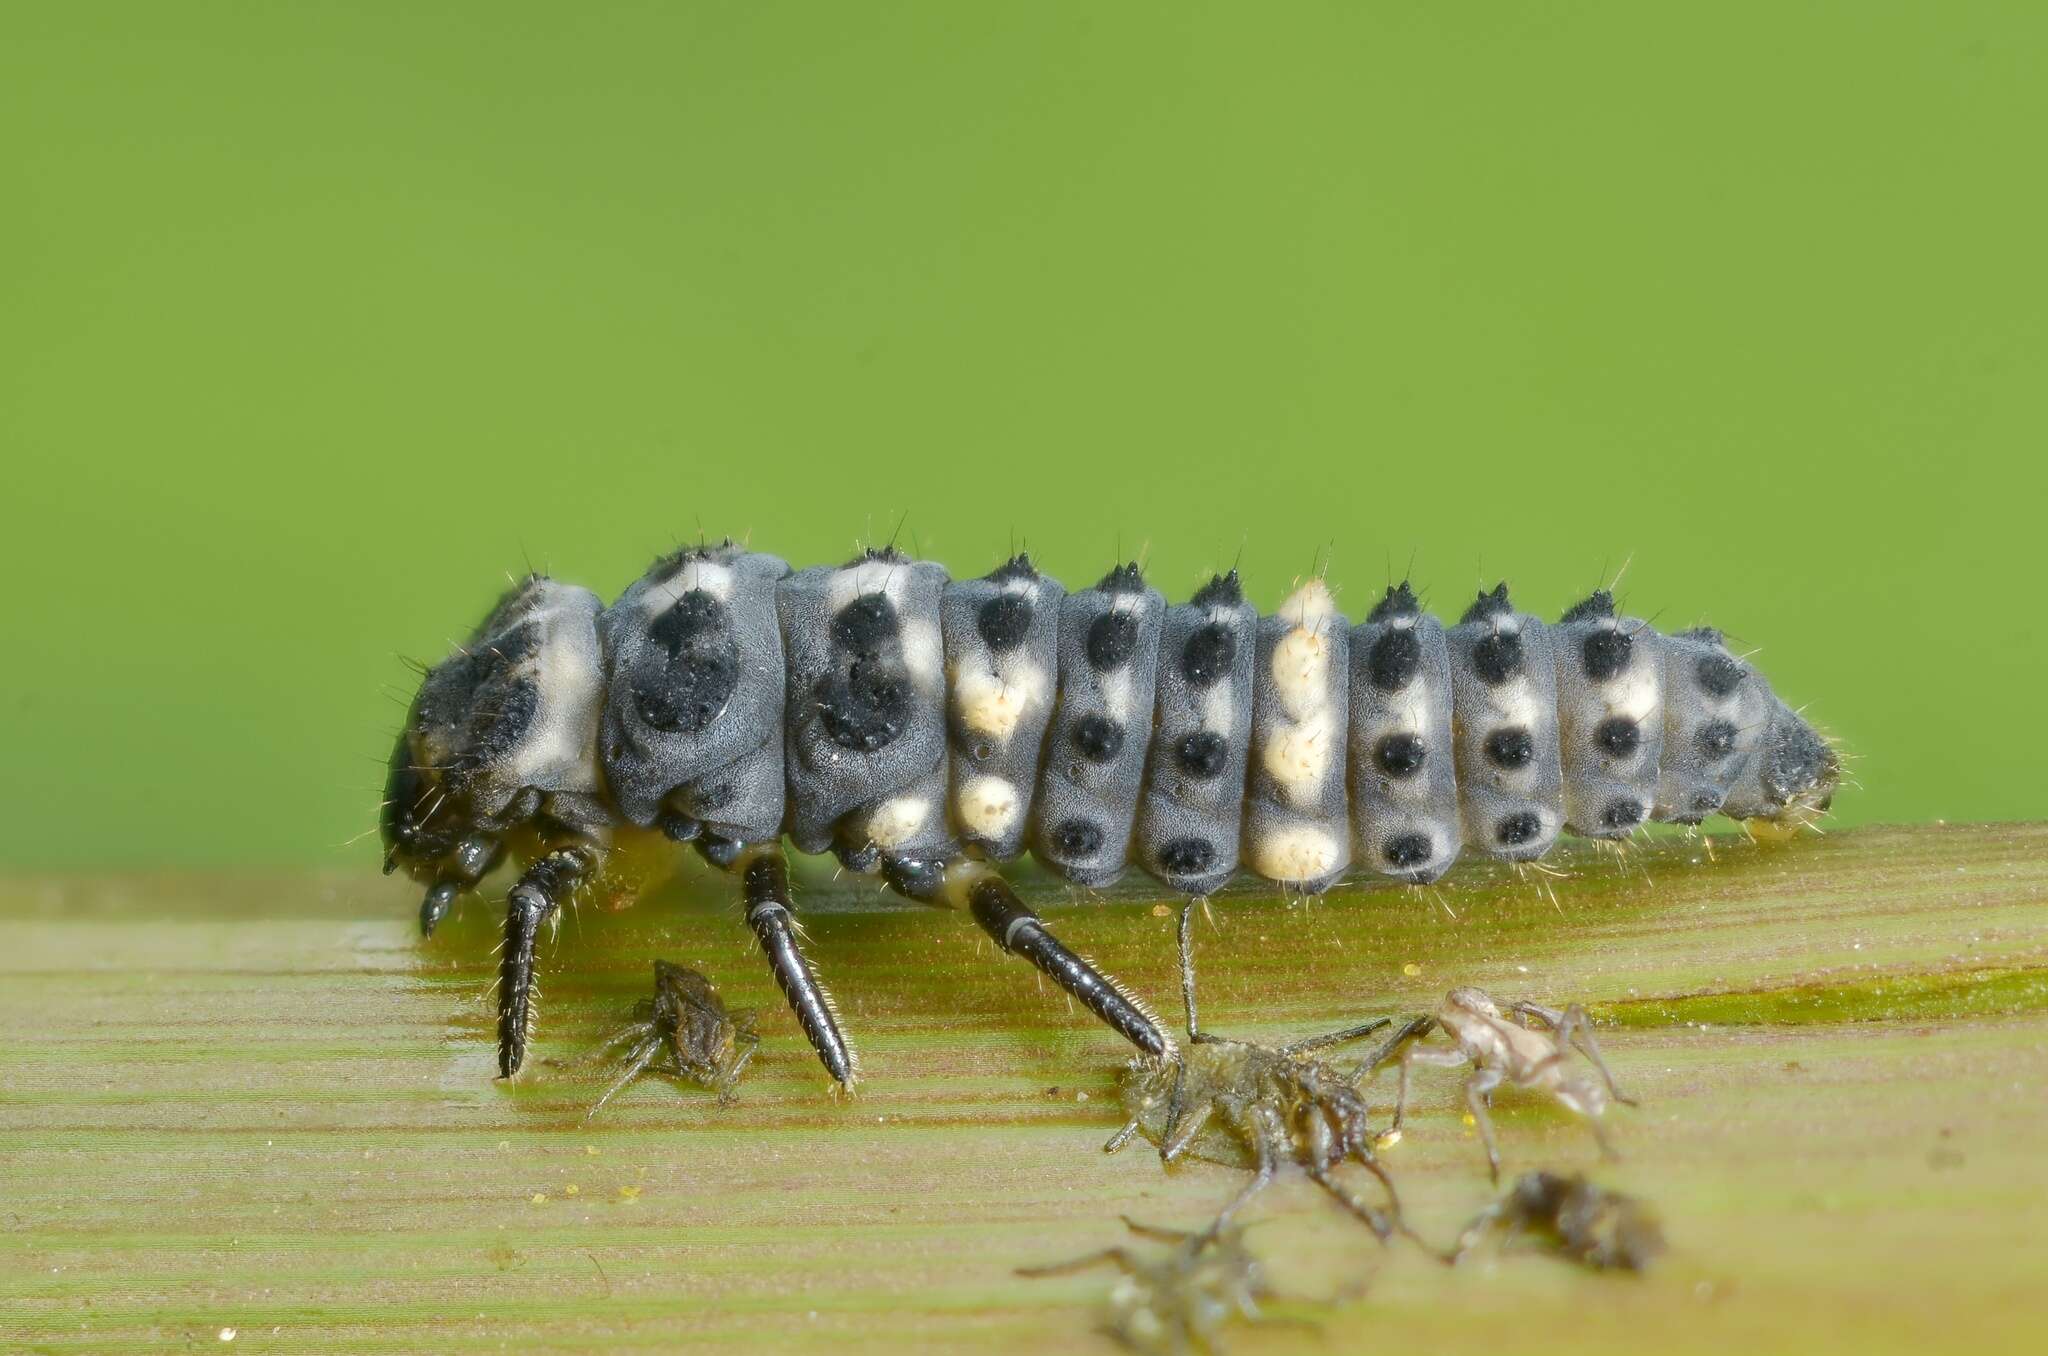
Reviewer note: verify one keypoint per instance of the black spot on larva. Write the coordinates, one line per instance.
(1618, 736)
(690, 694)
(1601, 604)
(504, 725)
(1606, 653)
(1208, 655)
(1223, 590)
(695, 616)
(1399, 602)
(1187, 857)
(1395, 657)
(1076, 838)
(1621, 814)
(1517, 829)
(1126, 578)
(1719, 675)
(864, 625)
(1708, 634)
(1399, 755)
(1004, 621)
(1407, 850)
(1493, 604)
(1706, 802)
(1716, 739)
(1510, 748)
(884, 555)
(865, 707)
(1099, 738)
(1498, 657)
(1018, 566)
(863, 859)
(1202, 754)
(1112, 640)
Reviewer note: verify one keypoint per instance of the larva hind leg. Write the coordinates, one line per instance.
(534, 899)
(994, 905)
(764, 883)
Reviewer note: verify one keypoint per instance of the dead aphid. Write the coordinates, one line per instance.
(1602, 1229)
(1258, 1106)
(1179, 1301)
(1503, 1051)
(685, 1032)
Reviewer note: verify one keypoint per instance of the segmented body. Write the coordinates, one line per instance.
(906, 722)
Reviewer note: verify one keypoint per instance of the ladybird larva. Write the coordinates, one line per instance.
(926, 728)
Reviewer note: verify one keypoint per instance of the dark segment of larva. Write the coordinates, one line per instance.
(918, 726)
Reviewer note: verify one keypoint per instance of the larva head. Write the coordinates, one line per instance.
(496, 729)
(1797, 773)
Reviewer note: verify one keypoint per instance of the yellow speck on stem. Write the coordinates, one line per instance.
(572, 1190)
(1161, 911)
(591, 1149)
(540, 1198)
(1411, 969)
(629, 1194)
(1469, 1120)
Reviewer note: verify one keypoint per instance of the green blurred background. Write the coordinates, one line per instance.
(317, 320)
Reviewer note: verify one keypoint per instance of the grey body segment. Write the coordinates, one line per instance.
(1094, 765)
(1405, 819)
(693, 709)
(865, 720)
(1001, 636)
(1189, 816)
(1610, 718)
(1504, 700)
(1717, 712)
(1297, 820)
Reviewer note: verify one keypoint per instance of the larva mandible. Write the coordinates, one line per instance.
(925, 727)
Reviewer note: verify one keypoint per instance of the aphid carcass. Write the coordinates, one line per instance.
(1257, 1106)
(1177, 1302)
(1602, 1229)
(684, 1031)
(1503, 1051)
(926, 728)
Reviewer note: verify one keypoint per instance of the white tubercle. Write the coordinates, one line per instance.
(895, 821)
(987, 806)
(1299, 852)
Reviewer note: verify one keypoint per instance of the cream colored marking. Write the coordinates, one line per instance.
(1116, 694)
(1298, 757)
(561, 752)
(922, 654)
(1310, 605)
(1301, 671)
(987, 806)
(710, 576)
(895, 821)
(868, 576)
(1299, 852)
(1633, 694)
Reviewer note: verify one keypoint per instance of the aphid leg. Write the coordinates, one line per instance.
(1269, 1141)
(636, 1064)
(764, 877)
(1159, 1233)
(1376, 1220)
(545, 886)
(1349, 1033)
(1575, 1028)
(1413, 1030)
(1415, 1054)
(1122, 1137)
(1120, 1258)
(1478, 1093)
(1019, 931)
(731, 1077)
(1178, 1137)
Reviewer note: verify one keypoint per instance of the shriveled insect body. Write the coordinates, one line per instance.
(684, 1031)
(1258, 1106)
(1179, 1301)
(1503, 1051)
(1602, 1229)
(920, 727)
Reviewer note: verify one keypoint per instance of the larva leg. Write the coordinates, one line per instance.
(545, 886)
(1187, 970)
(1019, 931)
(764, 876)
